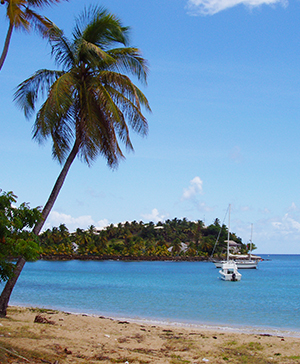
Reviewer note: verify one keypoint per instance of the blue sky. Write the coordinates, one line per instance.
(224, 88)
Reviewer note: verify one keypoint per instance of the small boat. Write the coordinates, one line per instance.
(229, 272)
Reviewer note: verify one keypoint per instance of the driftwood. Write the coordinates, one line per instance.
(43, 320)
(14, 354)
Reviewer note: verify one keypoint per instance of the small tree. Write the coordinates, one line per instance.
(16, 240)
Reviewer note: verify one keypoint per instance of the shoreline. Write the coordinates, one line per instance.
(65, 338)
(129, 258)
(234, 328)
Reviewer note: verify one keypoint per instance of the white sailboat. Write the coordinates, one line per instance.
(242, 261)
(229, 270)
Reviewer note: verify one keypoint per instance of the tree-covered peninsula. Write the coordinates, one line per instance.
(172, 239)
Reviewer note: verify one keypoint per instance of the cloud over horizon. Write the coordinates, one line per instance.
(83, 222)
(155, 216)
(211, 7)
(194, 188)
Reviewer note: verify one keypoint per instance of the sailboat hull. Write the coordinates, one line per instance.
(242, 264)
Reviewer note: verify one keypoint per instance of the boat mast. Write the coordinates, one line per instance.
(251, 242)
(228, 234)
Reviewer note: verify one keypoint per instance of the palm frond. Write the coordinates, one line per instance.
(96, 126)
(56, 117)
(30, 90)
(62, 50)
(96, 25)
(37, 22)
(91, 54)
(16, 15)
(124, 85)
(42, 3)
(131, 112)
(130, 60)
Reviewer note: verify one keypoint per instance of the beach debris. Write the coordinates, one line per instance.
(102, 357)
(43, 320)
(214, 337)
(204, 359)
(126, 362)
(67, 351)
(14, 353)
(122, 340)
(106, 335)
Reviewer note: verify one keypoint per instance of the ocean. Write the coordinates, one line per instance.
(267, 299)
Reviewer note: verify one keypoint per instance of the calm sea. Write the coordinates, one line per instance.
(266, 299)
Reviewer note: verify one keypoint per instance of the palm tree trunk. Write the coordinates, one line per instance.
(57, 187)
(6, 44)
(6, 293)
(5, 296)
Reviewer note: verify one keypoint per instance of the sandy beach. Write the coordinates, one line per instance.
(61, 337)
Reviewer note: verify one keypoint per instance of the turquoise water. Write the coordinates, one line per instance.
(183, 292)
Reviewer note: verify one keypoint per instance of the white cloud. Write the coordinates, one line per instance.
(102, 224)
(194, 188)
(287, 226)
(155, 216)
(210, 7)
(72, 223)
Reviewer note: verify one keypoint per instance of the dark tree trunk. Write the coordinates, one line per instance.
(56, 189)
(6, 44)
(5, 295)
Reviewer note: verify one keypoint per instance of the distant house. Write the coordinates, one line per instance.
(75, 247)
(234, 247)
(184, 248)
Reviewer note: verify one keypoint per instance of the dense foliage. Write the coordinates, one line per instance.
(172, 238)
(15, 237)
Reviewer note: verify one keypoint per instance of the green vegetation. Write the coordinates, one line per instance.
(17, 242)
(15, 238)
(138, 240)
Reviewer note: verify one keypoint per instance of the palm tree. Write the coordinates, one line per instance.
(89, 100)
(21, 16)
